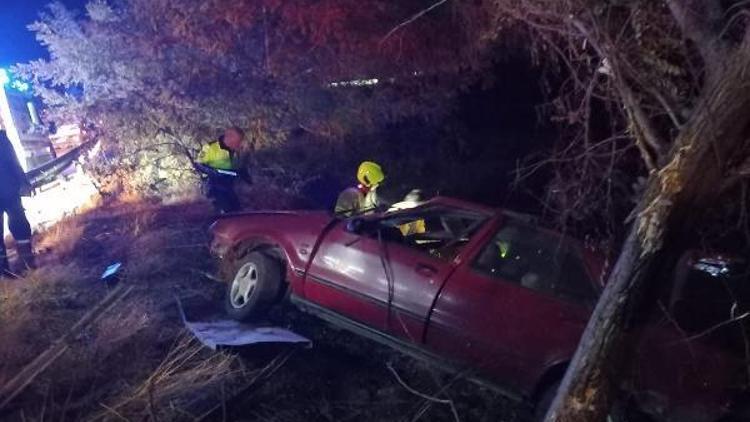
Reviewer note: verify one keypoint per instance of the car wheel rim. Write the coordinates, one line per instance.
(243, 285)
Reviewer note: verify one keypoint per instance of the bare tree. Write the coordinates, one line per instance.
(677, 73)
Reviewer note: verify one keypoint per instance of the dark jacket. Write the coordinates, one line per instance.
(12, 177)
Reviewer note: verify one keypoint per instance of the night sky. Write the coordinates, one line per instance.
(17, 44)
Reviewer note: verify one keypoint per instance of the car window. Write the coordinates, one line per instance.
(537, 260)
(706, 293)
(440, 231)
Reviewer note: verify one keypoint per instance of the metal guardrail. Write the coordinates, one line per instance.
(49, 171)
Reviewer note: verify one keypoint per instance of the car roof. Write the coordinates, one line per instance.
(459, 203)
(593, 260)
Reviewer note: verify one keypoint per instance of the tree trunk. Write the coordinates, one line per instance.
(713, 140)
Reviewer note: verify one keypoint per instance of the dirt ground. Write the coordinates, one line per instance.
(135, 361)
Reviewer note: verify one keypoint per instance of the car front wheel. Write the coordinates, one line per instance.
(254, 286)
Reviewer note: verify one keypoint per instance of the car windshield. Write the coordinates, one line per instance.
(438, 230)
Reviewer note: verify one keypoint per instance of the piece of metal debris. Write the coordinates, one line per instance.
(220, 331)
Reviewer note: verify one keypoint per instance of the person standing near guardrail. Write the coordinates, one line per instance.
(221, 163)
(13, 185)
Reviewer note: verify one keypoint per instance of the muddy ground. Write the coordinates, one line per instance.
(135, 362)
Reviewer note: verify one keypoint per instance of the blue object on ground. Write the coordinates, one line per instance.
(111, 270)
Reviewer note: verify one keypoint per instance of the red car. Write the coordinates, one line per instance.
(480, 290)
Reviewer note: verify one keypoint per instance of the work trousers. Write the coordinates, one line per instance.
(221, 192)
(17, 223)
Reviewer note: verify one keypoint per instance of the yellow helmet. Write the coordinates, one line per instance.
(370, 174)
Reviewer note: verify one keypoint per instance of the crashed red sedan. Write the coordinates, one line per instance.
(475, 289)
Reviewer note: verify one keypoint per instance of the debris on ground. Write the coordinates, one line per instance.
(217, 330)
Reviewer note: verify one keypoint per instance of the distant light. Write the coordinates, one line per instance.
(4, 77)
(21, 86)
(357, 82)
(6, 117)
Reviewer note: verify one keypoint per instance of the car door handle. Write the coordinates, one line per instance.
(425, 270)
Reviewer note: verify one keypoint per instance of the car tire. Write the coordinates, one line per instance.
(254, 286)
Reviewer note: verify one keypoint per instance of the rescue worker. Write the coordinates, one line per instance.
(363, 198)
(13, 184)
(411, 200)
(221, 162)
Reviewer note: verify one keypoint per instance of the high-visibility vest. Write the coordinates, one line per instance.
(216, 156)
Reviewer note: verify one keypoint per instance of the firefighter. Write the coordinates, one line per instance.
(221, 163)
(362, 198)
(13, 184)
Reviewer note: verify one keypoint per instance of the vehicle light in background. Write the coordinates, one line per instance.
(357, 82)
(715, 267)
(6, 118)
(21, 86)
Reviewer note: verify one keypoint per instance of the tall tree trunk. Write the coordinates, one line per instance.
(677, 195)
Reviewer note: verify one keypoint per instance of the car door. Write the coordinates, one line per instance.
(388, 274)
(347, 277)
(691, 351)
(516, 308)
(419, 257)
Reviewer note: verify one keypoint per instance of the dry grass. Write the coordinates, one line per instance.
(120, 326)
(188, 373)
(27, 316)
(61, 239)
(128, 344)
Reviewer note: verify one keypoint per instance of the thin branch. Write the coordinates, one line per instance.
(698, 25)
(717, 326)
(414, 391)
(649, 135)
(668, 108)
(411, 20)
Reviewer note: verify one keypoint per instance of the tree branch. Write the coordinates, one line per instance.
(700, 22)
(648, 133)
(412, 19)
(668, 107)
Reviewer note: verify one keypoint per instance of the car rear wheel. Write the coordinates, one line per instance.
(254, 286)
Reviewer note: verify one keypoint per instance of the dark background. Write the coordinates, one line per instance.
(17, 43)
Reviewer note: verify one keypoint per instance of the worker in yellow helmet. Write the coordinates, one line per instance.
(362, 198)
(220, 163)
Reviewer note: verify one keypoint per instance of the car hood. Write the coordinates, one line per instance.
(293, 231)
